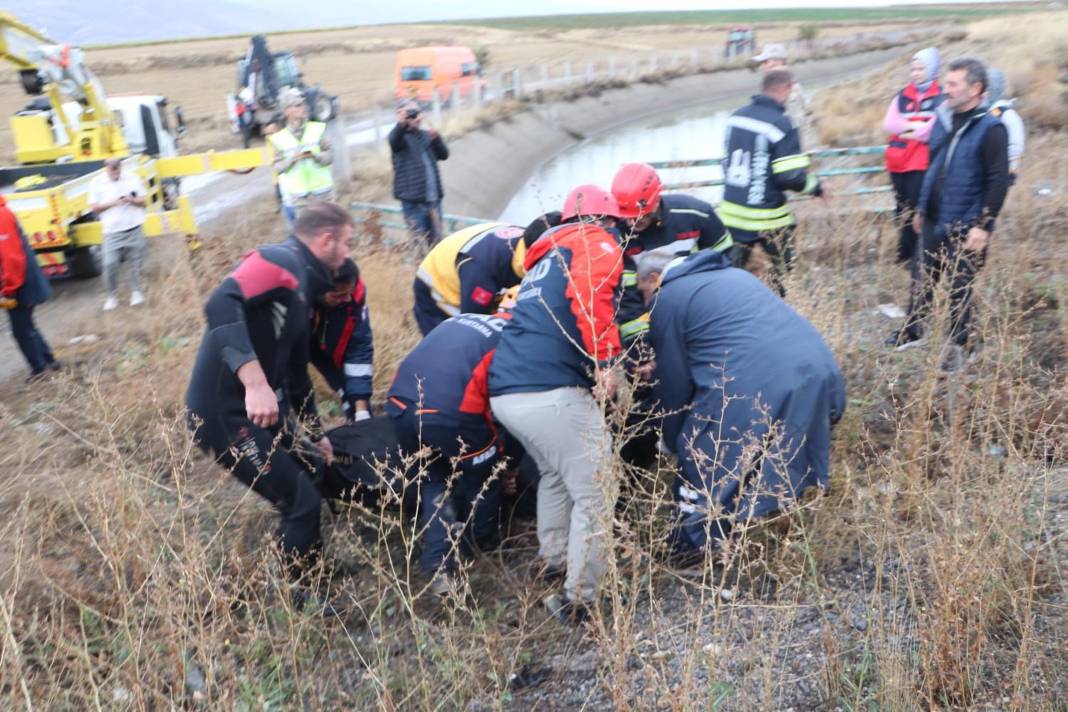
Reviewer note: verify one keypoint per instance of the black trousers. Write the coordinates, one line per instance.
(906, 193)
(31, 343)
(455, 503)
(261, 460)
(944, 258)
(779, 246)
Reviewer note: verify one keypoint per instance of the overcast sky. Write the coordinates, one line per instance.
(94, 21)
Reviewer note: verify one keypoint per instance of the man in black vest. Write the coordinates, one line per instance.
(962, 194)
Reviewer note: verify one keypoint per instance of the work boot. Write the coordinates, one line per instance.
(565, 610)
(111, 303)
(137, 299)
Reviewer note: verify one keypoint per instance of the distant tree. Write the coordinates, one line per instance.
(482, 54)
(808, 32)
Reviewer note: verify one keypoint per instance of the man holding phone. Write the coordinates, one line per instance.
(117, 196)
(302, 157)
(416, 180)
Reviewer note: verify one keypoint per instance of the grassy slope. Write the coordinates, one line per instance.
(931, 576)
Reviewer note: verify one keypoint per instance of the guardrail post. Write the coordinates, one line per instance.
(341, 166)
(589, 71)
(517, 84)
(652, 61)
(376, 119)
(567, 72)
(611, 66)
(436, 107)
(694, 57)
(455, 100)
(544, 68)
(476, 94)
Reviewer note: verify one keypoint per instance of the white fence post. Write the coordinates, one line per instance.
(376, 118)
(341, 167)
(436, 107)
(611, 66)
(589, 71)
(652, 61)
(455, 100)
(517, 87)
(544, 75)
(567, 72)
(476, 92)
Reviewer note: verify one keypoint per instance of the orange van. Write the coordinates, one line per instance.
(421, 70)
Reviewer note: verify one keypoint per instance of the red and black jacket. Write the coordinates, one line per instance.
(563, 323)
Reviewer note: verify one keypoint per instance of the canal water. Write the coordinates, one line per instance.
(693, 134)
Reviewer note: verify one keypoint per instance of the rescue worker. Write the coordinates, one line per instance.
(909, 121)
(764, 160)
(1005, 109)
(23, 287)
(750, 393)
(962, 195)
(465, 272)
(302, 157)
(673, 224)
(797, 104)
(560, 346)
(251, 372)
(439, 403)
(342, 343)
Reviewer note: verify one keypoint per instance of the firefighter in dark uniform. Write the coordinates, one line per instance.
(439, 402)
(764, 160)
(251, 372)
(342, 344)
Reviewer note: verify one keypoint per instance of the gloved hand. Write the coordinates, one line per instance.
(8, 303)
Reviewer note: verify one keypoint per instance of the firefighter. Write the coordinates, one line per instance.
(559, 347)
(439, 404)
(764, 160)
(465, 272)
(342, 344)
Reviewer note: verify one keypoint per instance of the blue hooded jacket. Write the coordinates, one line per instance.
(731, 358)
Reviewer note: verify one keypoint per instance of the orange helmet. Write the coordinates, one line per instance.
(589, 201)
(637, 187)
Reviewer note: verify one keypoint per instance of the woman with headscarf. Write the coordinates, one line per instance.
(1005, 109)
(909, 121)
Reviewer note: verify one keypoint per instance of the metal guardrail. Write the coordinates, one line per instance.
(373, 212)
(369, 212)
(822, 153)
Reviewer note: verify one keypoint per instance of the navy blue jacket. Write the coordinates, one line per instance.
(343, 347)
(446, 374)
(684, 224)
(731, 355)
(409, 168)
(563, 323)
(485, 266)
(260, 312)
(958, 190)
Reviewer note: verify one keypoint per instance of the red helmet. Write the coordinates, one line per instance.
(589, 201)
(637, 188)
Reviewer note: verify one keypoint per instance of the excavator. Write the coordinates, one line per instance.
(261, 77)
(66, 132)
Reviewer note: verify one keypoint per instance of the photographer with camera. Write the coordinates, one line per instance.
(416, 180)
(118, 199)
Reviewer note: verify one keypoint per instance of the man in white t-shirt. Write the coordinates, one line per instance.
(117, 197)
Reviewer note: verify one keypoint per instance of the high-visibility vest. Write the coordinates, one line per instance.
(307, 176)
(438, 269)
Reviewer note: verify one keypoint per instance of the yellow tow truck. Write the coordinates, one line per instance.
(62, 139)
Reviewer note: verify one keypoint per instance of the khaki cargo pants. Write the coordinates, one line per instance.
(564, 431)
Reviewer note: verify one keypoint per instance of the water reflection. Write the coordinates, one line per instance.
(693, 134)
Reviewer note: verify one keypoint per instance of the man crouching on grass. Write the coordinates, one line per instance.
(252, 369)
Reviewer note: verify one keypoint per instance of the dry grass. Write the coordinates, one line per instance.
(135, 573)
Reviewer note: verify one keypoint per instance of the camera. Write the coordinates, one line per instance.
(411, 113)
